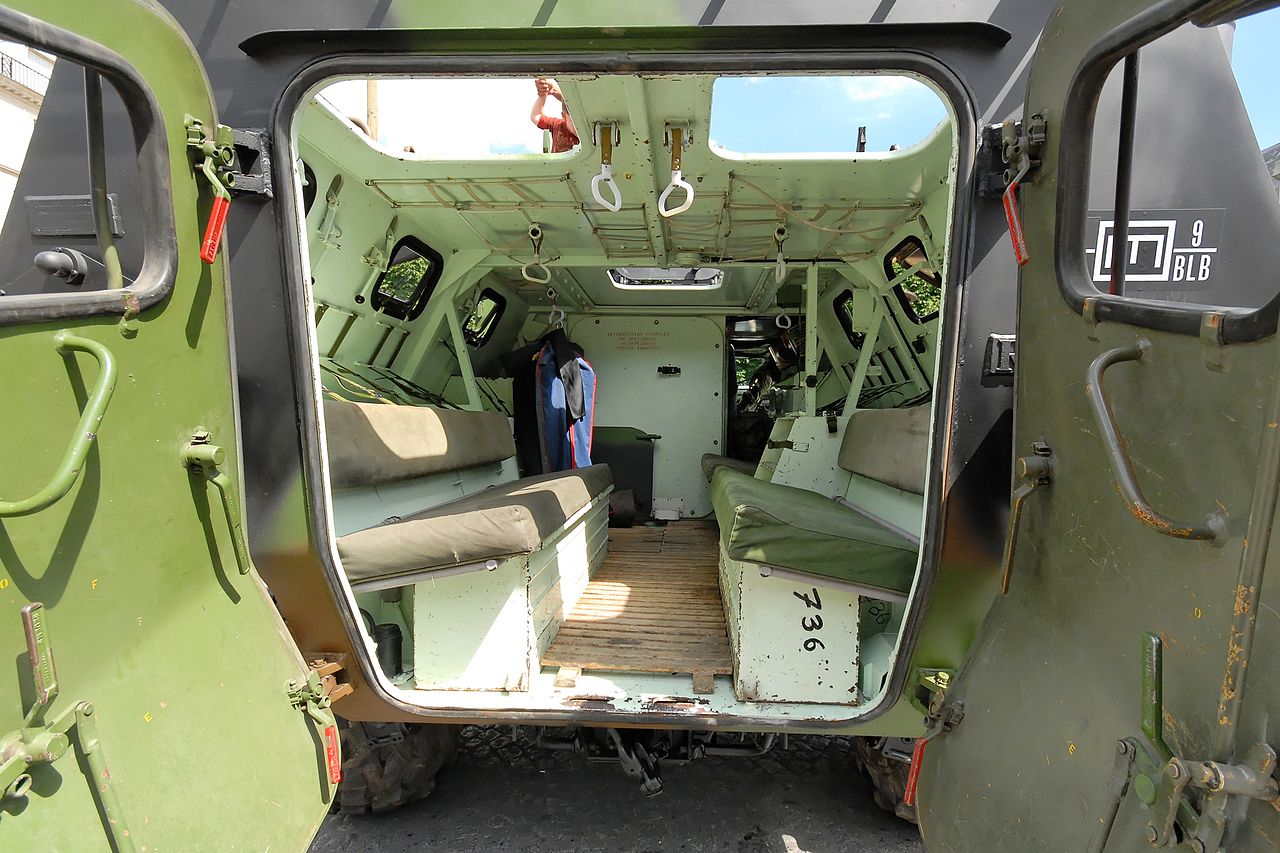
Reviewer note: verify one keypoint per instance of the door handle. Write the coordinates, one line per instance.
(205, 459)
(1214, 525)
(1034, 471)
(86, 430)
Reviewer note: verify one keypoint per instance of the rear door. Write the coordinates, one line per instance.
(152, 698)
(1121, 694)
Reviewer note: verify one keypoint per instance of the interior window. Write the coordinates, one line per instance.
(921, 294)
(403, 290)
(484, 318)
(1186, 143)
(655, 278)
(821, 116)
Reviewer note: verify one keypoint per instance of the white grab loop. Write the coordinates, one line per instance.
(555, 317)
(676, 137)
(536, 271)
(677, 182)
(606, 178)
(782, 321)
(780, 269)
(605, 136)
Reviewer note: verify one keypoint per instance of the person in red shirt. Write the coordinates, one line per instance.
(564, 136)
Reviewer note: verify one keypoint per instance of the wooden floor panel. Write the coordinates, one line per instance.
(653, 606)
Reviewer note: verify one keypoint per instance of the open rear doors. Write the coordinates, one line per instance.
(1121, 694)
(152, 698)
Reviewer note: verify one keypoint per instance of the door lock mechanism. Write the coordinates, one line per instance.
(1034, 471)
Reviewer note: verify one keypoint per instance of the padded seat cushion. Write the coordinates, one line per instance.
(888, 445)
(502, 521)
(371, 443)
(798, 529)
(712, 461)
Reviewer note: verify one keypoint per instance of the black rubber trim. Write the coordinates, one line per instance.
(1075, 133)
(160, 239)
(973, 34)
(421, 294)
(726, 57)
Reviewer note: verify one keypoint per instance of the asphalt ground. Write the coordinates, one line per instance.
(505, 794)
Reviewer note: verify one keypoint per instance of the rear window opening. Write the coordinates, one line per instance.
(821, 116)
(451, 119)
(695, 334)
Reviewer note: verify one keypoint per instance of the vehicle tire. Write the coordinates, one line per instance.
(888, 777)
(386, 765)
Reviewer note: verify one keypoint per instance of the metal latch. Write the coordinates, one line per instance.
(313, 696)
(940, 717)
(213, 159)
(202, 457)
(1020, 144)
(1034, 471)
(44, 742)
(251, 174)
(1001, 356)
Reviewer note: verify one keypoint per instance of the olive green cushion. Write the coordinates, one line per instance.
(372, 443)
(888, 445)
(798, 529)
(712, 461)
(502, 521)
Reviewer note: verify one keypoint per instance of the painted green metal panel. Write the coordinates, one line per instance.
(1055, 679)
(184, 658)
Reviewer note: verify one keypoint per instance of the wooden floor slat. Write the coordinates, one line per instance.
(654, 606)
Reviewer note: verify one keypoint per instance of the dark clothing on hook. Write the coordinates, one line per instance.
(553, 395)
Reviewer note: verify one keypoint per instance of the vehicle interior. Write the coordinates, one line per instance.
(643, 421)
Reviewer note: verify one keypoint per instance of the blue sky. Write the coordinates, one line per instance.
(785, 114)
(752, 115)
(1254, 58)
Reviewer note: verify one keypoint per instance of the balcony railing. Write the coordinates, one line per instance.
(23, 74)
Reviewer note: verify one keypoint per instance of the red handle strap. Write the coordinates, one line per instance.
(213, 231)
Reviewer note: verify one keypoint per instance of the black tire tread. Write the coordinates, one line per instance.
(387, 765)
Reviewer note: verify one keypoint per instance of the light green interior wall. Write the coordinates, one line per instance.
(477, 214)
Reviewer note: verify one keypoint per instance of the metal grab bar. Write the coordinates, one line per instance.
(1214, 525)
(86, 430)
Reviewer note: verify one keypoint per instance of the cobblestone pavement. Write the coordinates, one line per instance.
(505, 794)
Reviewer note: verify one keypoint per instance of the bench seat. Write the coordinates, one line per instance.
(776, 525)
(501, 521)
(712, 461)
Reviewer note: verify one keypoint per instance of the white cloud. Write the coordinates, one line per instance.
(449, 118)
(875, 87)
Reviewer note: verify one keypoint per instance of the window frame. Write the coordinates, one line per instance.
(154, 171)
(485, 334)
(411, 308)
(1075, 131)
(934, 278)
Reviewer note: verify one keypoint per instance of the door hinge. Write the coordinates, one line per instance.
(1187, 801)
(251, 169)
(42, 741)
(213, 157)
(1008, 153)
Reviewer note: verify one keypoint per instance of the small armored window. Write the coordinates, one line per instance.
(920, 295)
(659, 278)
(1184, 178)
(403, 290)
(484, 318)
